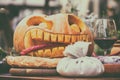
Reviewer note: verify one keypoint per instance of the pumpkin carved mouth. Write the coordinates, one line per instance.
(52, 43)
(54, 32)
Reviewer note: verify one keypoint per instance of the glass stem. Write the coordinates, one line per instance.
(105, 51)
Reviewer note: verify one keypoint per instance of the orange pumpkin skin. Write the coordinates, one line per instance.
(58, 28)
(21, 30)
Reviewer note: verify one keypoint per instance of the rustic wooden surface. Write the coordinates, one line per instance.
(58, 77)
(7, 76)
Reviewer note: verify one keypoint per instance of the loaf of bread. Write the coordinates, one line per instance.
(32, 62)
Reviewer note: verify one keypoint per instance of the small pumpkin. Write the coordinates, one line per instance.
(50, 34)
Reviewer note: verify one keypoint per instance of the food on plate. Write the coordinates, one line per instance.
(109, 59)
(83, 66)
(111, 64)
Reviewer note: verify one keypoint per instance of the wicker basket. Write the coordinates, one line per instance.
(112, 68)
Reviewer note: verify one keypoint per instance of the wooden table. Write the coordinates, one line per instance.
(7, 76)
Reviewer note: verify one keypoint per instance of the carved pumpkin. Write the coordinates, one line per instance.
(55, 31)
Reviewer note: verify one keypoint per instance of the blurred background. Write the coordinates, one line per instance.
(12, 11)
(18, 9)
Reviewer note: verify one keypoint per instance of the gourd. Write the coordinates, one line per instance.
(58, 30)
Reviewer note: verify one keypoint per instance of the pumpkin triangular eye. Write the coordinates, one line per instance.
(43, 25)
(35, 20)
(75, 28)
(49, 24)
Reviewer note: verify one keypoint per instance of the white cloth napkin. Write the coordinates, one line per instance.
(84, 66)
(76, 50)
(76, 63)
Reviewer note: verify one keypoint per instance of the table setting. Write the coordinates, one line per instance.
(63, 46)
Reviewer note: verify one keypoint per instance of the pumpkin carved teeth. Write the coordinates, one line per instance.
(49, 52)
(27, 40)
(73, 38)
(67, 38)
(40, 53)
(61, 38)
(38, 34)
(54, 37)
(33, 34)
(46, 36)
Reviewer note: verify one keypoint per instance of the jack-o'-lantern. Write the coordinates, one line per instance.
(51, 34)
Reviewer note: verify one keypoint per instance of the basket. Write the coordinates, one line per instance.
(112, 69)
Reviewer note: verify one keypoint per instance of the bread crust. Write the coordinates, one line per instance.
(32, 62)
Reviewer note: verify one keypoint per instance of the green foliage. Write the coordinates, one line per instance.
(100, 51)
(118, 34)
(13, 52)
(3, 53)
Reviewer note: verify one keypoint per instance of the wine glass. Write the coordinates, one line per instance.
(105, 33)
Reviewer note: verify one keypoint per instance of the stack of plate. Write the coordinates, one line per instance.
(117, 44)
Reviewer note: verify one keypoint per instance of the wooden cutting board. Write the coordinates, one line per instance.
(32, 72)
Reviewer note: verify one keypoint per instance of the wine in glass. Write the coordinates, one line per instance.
(105, 33)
